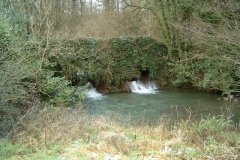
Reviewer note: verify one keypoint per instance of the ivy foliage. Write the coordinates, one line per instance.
(23, 81)
(108, 62)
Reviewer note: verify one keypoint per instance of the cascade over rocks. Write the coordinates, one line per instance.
(108, 63)
(143, 88)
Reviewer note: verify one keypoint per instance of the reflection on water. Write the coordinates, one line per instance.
(175, 104)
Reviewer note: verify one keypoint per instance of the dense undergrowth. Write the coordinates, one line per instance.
(61, 133)
(197, 46)
(108, 63)
(203, 41)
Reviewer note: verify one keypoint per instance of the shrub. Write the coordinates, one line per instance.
(57, 91)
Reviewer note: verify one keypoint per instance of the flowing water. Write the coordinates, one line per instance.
(150, 106)
(141, 88)
(93, 94)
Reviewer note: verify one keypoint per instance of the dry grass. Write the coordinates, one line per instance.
(43, 127)
(81, 136)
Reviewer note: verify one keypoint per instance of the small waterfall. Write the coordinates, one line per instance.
(93, 94)
(141, 88)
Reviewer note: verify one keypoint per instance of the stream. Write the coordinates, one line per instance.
(151, 106)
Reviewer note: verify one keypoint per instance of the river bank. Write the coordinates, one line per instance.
(61, 133)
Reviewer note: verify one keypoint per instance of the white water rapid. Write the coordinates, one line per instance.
(93, 94)
(141, 88)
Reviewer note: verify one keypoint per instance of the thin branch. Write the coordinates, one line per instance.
(133, 5)
(21, 119)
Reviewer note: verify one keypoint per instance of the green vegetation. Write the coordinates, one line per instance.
(181, 43)
(198, 48)
(203, 42)
(108, 63)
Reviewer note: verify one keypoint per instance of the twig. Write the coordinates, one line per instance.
(18, 122)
